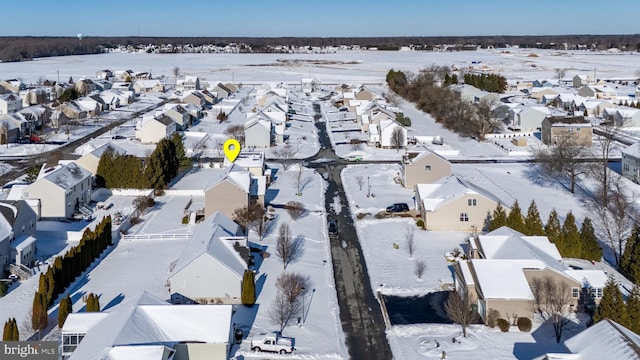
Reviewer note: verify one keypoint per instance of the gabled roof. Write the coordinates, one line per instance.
(447, 189)
(605, 340)
(213, 238)
(568, 120)
(67, 176)
(146, 319)
(258, 122)
(236, 175)
(10, 209)
(504, 279)
(108, 146)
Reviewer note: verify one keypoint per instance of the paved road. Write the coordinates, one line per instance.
(360, 312)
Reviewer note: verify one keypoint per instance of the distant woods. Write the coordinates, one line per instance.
(21, 48)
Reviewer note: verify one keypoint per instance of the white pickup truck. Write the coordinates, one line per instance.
(272, 342)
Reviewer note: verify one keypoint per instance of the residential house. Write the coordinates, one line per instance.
(146, 327)
(212, 264)
(145, 86)
(605, 340)
(594, 107)
(455, 204)
(123, 86)
(309, 85)
(73, 110)
(124, 75)
(85, 86)
(178, 113)
(189, 83)
(116, 98)
(222, 91)
(9, 103)
(12, 127)
(194, 97)
(102, 84)
(258, 133)
(627, 117)
(387, 138)
(527, 118)
(631, 162)
(90, 159)
(505, 265)
(21, 220)
(151, 129)
(59, 88)
(472, 94)
(35, 96)
(277, 119)
(61, 191)
(598, 91)
(365, 94)
(13, 85)
(581, 80)
(104, 74)
(271, 95)
(228, 191)
(250, 160)
(557, 129)
(209, 97)
(36, 115)
(539, 92)
(424, 167)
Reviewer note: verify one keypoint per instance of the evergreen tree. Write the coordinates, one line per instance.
(10, 332)
(553, 229)
(633, 310)
(591, 249)
(65, 308)
(93, 303)
(3, 289)
(571, 244)
(181, 154)
(39, 316)
(532, 223)
(611, 305)
(629, 264)
(498, 219)
(14, 330)
(248, 288)
(515, 219)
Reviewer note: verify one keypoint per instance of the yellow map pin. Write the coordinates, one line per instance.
(231, 149)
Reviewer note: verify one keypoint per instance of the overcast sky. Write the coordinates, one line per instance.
(327, 18)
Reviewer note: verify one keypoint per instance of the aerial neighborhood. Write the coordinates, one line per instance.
(424, 215)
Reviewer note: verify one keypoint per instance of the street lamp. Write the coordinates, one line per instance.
(303, 291)
(368, 187)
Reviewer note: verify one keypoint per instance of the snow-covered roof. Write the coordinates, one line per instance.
(632, 150)
(247, 160)
(23, 242)
(505, 279)
(605, 340)
(109, 145)
(506, 243)
(67, 176)
(447, 189)
(146, 319)
(236, 175)
(140, 352)
(588, 278)
(212, 237)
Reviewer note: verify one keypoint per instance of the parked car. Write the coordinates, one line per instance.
(272, 342)
(118, 137)
(333, 228)
(398, 207)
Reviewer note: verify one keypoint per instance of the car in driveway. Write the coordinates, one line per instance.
(398, 207)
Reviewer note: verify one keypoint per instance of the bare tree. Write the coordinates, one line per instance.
(360, 181)
(4, 134)
(486, 123)
(299, 179)
(293, 286)
(295, 209)
(409, 238)
(282, 311)
(236, 132)
(219, 144)
(397, 138)
(608, 133)
(616, 217)
(552, 300)
(284, 154)
(564, 158)
(175, 71)
(458, 308)
(420, 268)
(560, 73)
(199, 147)
(356, 144)
(247, 216)
(288, 249)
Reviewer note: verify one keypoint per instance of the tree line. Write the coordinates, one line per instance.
(66, 269)
(429, 90)
(127, 171)
(487, 82)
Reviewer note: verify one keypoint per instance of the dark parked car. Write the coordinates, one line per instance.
(398, 207)
(333, 227)
(118, 137)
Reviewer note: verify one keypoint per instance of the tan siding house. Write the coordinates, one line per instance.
(228, 193)
(557, 129)
(423, 168)
(151, 130)
(90, 160)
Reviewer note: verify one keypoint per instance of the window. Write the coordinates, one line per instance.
(575, 292)
(464, 217)
(472, 202)
(596, 293)
(570, 129)
(427, 168)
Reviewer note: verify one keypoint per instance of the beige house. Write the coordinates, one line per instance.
(454, 204)
(150, 130)
(10, 103)
(365, 94)
(228, 191)
(539, 92)
(423, 168)
(558, 129)
(90, 160)
(504, 266)
(222, 91)
(598, 91)
(189, 82)
(212, 264)
(146, 327)
(194, 97)
(581, 80)
(61, 191)
(178, 113)
(144, 86)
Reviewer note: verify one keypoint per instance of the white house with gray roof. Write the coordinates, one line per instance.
(60, 191)
(212, 264)
(631, 162)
